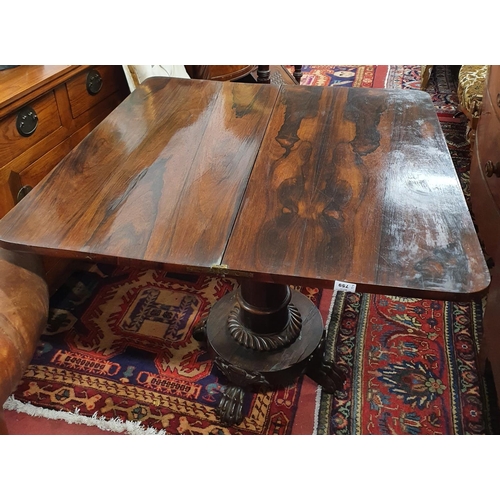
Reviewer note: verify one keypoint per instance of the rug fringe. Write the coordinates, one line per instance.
(113, 425)
(317, 405)
(386, 79)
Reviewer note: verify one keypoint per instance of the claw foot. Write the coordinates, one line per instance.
(324, 372)
(200, 331)
(328, 375)
(230, 409)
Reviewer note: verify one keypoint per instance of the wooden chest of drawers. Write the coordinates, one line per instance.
(45, 111)
(485, 199)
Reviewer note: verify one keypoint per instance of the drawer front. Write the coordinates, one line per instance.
(488, 149)
(36, 121)
(486, 212)
(494, 90)
(21, 182)
(33, 174)
(93, 86)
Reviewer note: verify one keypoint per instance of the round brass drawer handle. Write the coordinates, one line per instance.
(23, 192)
(27, 121)
(491, 168)
(94, 82)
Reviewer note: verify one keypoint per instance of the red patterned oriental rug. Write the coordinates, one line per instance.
(119, 353)
(412, 367)
(119, 347)
(344, 76)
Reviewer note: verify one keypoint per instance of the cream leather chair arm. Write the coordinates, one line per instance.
(136, 74)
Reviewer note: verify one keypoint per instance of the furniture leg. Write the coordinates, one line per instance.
(230, 409)
(200, 331)
(297, 73)
(261, 336)
(3, 425)
(263, 74)
(426, 74)
(323, 371)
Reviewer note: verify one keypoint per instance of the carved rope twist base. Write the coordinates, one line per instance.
(253, 369)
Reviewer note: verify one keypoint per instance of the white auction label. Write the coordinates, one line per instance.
(343, 286)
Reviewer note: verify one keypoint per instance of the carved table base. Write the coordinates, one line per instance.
(262, 336)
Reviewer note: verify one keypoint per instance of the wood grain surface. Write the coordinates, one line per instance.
(13, 144)
(26, 82)
(360, 188)
(485, 200)
(295, 184)
(159, 181)
(489, 146)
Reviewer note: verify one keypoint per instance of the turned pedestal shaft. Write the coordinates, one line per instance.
(264, 306)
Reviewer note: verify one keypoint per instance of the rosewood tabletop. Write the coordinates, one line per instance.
(291, 184)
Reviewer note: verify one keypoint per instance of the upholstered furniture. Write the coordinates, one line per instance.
(136, 74)
(471, 80)
(24, 306)
(425, 74)
(471, 83)
(485, 198)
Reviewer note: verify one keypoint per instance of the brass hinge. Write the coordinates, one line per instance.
(219, 269)
(222, 270)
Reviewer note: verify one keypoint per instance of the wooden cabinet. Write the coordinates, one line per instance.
(45, 111)
(485, 199)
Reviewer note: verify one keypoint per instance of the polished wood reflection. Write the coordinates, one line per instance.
(360, 187)
(160, 181)
(290, 184)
